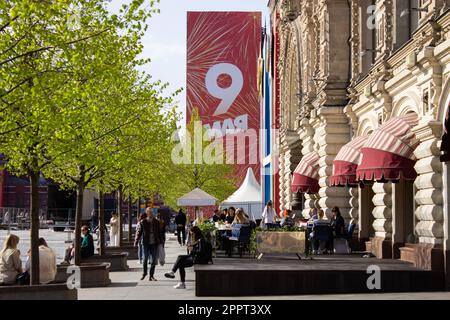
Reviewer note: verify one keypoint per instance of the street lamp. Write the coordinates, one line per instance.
(364, 52)
(408, 11)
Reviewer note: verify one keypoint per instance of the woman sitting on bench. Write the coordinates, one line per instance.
(201, 253)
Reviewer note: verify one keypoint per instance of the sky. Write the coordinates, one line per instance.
(165, 40)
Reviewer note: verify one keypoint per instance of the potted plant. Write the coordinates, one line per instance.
(279, 240)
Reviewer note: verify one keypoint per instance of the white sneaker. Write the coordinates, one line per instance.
(180, 285)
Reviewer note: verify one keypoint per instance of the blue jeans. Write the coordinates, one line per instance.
(140, 250)
(150, 249)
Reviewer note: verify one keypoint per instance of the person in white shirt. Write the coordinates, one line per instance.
(47, 263)
(114, 230)
(269, 215)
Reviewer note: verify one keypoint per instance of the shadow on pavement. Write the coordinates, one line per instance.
(123, 284)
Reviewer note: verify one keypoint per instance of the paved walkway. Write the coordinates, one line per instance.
(127, 286)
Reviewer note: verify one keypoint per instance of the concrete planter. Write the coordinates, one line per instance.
(117, 261)
(131, 250)
(57, 291)
(92, 275)
(280, 242)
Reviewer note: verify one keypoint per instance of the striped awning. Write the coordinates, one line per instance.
(445, 146)
(306, 176)
(346, 162)
(388, 153)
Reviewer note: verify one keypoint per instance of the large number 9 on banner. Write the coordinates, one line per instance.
(227, 95)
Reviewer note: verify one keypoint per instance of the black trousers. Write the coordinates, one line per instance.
(181, 230)
(183, 261)
(150, 249)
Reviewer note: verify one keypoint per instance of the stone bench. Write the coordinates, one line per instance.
(130, 249)
(92, 274)
(53, 291)
(117, 260)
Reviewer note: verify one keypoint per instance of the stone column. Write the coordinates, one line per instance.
(291, 156)
(332, 132)
(382, 213)
(429, 197)
(306, 134)
(354, 204)
(446, 193)
(281, 179)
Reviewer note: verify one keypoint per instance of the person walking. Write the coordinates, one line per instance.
(149, 230)
(180, 221)
(200, 254)
(141, 218)
(161, 246)
(94, 219)
(114, 230)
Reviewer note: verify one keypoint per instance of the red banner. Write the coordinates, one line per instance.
(222, 67)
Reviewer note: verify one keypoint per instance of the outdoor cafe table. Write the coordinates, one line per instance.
(223, 230)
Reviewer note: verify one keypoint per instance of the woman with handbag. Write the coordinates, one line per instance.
(10, 263)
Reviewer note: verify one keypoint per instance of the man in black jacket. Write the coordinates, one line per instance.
(149, 230)
(180, 221)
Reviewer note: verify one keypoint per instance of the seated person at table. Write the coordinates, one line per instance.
(313, 215)
(287, 220)
(201, 253)
(216, 216)
(223, 215)
(337, 223)
(230, 215)
(319, 222)
(240, 218)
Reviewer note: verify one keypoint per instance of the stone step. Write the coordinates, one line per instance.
(408, 254)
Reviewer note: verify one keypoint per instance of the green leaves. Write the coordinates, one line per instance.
(72, 103)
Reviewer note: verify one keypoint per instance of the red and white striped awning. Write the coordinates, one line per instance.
(445, 145)
(388, 153)
(346, 162)
(306, 176)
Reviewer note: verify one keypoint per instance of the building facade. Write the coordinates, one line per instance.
(364, 92)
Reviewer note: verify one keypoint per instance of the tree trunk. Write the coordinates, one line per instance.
(34, 227)
(119, 213)
(101, 221)
(78, 222)
(130, 227)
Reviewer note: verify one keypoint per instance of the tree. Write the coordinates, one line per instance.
(55, 79)
(202, 165)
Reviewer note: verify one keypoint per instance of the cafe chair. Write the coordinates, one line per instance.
(240, 236)
(322, 236)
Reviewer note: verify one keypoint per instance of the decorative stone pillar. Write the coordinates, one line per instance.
(281, 180)
(382, 244)
(332, 132)
(291, 156)
(306, 134)
(354, 204)
(429, 197)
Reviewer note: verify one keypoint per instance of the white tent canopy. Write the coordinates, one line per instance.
(248, 197)
(196, 198)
